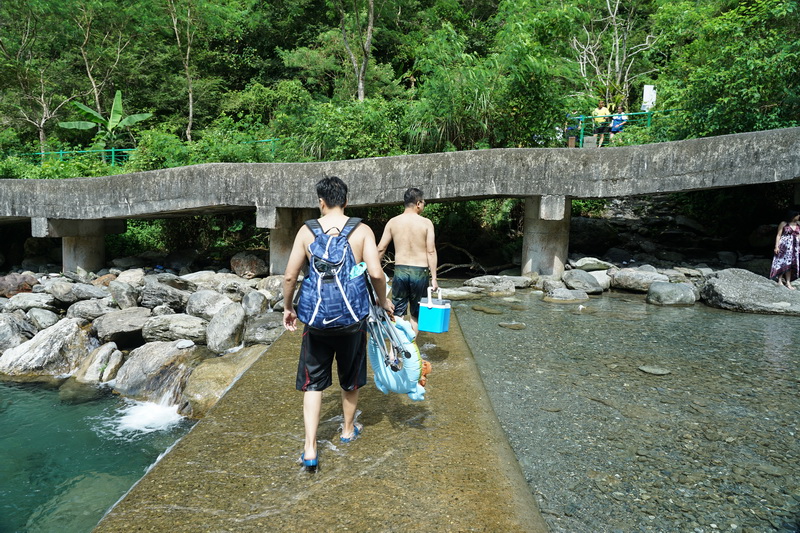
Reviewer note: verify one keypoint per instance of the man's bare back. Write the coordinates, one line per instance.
(410, 232)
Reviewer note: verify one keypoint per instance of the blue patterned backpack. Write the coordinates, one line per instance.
(333, 296)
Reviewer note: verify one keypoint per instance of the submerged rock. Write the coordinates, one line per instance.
(663, 293)
(213, 377)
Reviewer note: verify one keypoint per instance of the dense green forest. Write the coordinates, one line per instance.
(191, 81)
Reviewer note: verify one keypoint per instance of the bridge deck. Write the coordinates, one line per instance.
(443, 464)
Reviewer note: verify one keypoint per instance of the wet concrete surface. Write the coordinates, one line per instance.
(443, 464)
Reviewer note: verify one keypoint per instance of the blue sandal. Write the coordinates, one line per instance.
(357, 429)
(309, 464)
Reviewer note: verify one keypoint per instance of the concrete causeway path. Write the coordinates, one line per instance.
(443, 464)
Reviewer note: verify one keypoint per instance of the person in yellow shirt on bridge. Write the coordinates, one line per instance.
(600, 115)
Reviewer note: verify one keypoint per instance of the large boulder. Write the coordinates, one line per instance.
(255, 303)
(158, 371)
(87, 291)
(737, 289)
(25, 301)
(14, 331)
(590, 264)
(123, 327)
(213, 377)
(494, 285)
(92, 368)
(13, 283)
(263, 329)
(42, 318)
(635, 279)
(62, 292)
(225, 328)
(563, 295)
(175, 327)
(91, 309)
(155, 293)
(124, 294)
(663, 293)
(133, 277)
(206, 303)
(582, 280)
(248, 265)
(54, 351)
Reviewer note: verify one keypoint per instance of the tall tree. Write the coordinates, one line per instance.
(357, 27)
(610, 48)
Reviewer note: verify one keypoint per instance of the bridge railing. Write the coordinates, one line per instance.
(581, 126)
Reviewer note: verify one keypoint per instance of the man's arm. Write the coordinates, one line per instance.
(371, 257)
(297, 258)
(433, 258)
(386, 238)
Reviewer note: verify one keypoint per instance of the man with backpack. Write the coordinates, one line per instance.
(334, 305)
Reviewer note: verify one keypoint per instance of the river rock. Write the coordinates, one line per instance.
(42, 318)
(87, 291)
(255, 303)
(92, 367)
(175, 327)
(272, 287)
(225, 328)
(513, 325)
(638, 280)
(263, 329)
(602, 278)
(737, 289)
(664, 293)
(582, 280)
(495, 285)
(14, 283)
(213, 377)
(236, 290)
(123, 327)
(54, 351)
(14, 331)
(124, 294)
(91, 309)
(206, 303)
(591, 264)
(156, 293)
(158, 371)
(248, 265)
(461, 294)
(549, 285)
(115, 362)
(562, 295)
(62, 291)
(25, 301)
(133, 277)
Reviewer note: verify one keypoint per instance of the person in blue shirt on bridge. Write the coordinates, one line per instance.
(618, 121)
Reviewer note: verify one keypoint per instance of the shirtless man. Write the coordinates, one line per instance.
(318, 351)
(414, 255)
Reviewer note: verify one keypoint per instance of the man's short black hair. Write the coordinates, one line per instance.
(333, 190)
(412, 197)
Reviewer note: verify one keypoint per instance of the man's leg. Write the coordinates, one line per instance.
(349, 405)
(312, 405)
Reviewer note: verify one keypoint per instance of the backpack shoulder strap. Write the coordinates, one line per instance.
(352, 222)
(315, 227)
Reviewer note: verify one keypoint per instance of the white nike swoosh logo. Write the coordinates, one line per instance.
(325, 322)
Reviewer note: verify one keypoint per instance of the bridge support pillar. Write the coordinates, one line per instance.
(545, 241)
(283, 223)
(83, 242)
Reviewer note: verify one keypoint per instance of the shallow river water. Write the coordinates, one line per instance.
(64, 463)
(711, 445)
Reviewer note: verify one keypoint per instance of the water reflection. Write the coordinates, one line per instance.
(608, 447)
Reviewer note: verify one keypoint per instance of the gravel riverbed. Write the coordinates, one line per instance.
(630, 417)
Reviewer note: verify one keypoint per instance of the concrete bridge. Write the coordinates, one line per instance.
(83, 210)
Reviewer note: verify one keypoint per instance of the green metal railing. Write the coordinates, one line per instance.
(114, 156)
(578, 125)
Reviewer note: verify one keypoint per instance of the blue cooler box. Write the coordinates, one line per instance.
(434, 313)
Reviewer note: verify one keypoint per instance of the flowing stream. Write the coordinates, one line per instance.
(703, 439)
(63, 463)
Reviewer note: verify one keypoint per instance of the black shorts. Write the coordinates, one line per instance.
(317, 352)
(409, 284)
(602, 128)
